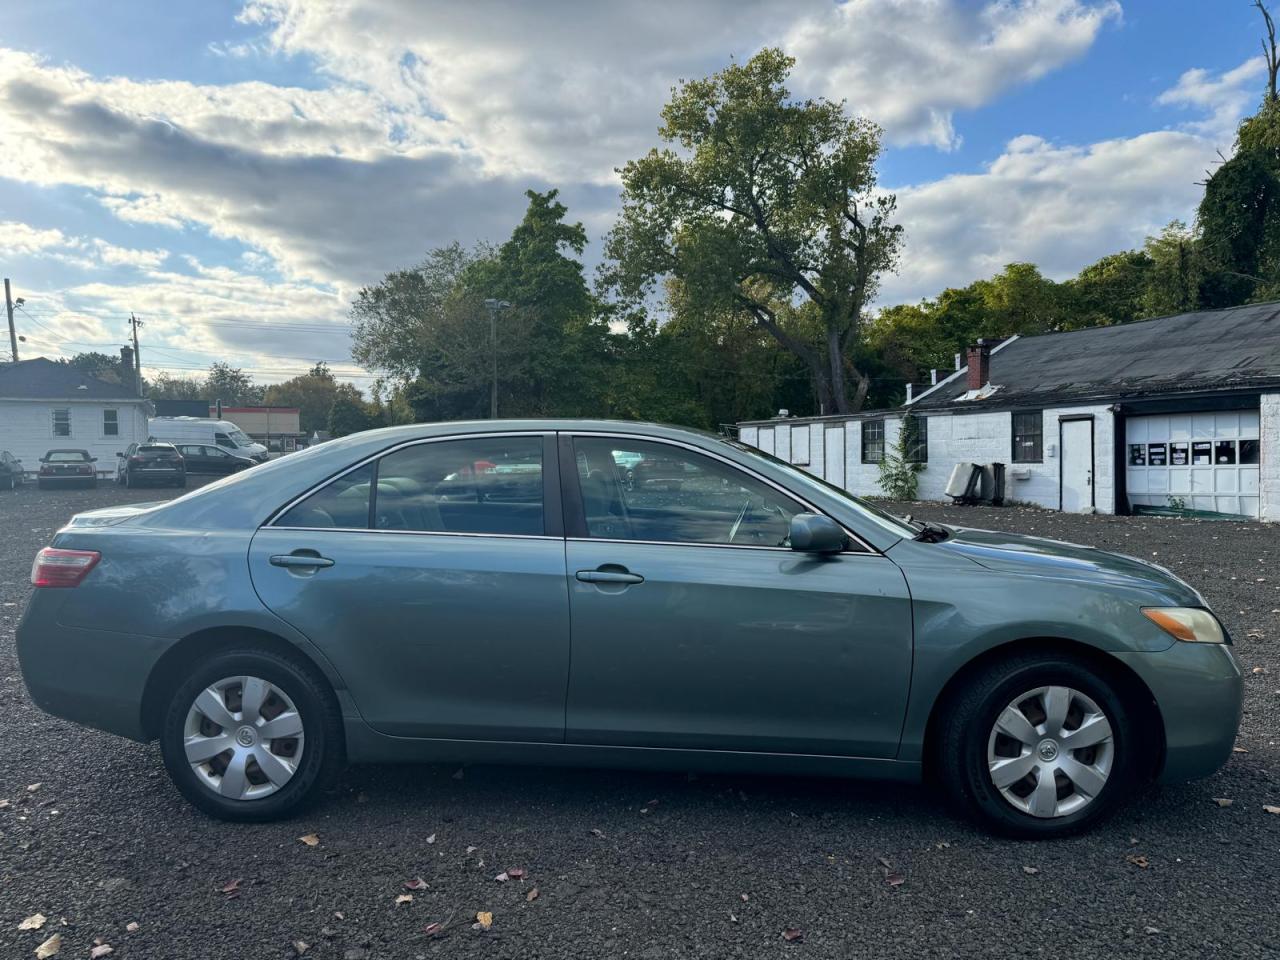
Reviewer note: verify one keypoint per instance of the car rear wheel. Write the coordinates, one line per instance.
(1039, 747)
(251, 735)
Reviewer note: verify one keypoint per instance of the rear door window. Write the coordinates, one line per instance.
(478, 485)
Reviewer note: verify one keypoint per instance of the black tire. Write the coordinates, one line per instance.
(965, 727)
(323, 754)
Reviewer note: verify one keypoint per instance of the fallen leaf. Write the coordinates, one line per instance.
(417, 883)
(231, 888)
(1030, 871)
(339, 914)
(1138, 860)
(310, 839)
(1239, 750)
(791, 934)
(532, 895)
(132, 926)
(484, 920)
(404, 898)
(733, 917)
(300, 947)
(33, 787)
(431, 839)
(745, 897)
(1150, 930)
(895, 879)
(431, 929)
(471, 850)
(503, 877)
(515, 873)
(101, 950)
(5, 804)
(1259, 669)
(33, 922)
(1270, 809)
(49, 948)
(1223, 801)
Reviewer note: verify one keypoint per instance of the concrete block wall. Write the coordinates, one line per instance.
(1269, 457)
(953, 438)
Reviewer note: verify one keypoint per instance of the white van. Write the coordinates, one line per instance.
(222, 433)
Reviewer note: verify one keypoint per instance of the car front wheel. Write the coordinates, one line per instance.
(252, 735)
(1039, 746)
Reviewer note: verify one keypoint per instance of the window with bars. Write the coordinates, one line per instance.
(872, 441)
(1028, 437)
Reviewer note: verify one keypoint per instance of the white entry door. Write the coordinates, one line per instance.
(1077, 466)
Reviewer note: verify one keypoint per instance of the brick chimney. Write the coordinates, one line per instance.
(979, 360)
(127, 376)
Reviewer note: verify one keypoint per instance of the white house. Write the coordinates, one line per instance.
(1173, 412)
(45, 405)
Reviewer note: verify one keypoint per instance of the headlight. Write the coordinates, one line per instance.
(1186, 623)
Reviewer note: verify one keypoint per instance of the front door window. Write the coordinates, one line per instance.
(640, 490)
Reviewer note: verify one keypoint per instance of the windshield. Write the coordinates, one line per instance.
(239, 438)
(886, 521)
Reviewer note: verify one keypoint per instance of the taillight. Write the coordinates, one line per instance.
(62, 568)
(135, 459)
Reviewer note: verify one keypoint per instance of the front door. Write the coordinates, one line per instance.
(1077, 465)
(694, 626)
(442, 602)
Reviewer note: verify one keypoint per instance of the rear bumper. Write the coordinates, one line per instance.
(1199, 691)
(93, 677)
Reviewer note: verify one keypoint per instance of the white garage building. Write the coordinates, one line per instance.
(1179, 412)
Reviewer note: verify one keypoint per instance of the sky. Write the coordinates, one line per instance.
(234, 171)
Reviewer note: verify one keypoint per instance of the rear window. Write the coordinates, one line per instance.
(67, 456)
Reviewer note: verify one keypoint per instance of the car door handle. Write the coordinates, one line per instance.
(300, 560)
(608, 576)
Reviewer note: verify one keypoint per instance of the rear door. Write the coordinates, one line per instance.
(695, 626)
(433, 577)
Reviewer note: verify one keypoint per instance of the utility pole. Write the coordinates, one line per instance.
(137, 356)
(494, 306)
(13, 334)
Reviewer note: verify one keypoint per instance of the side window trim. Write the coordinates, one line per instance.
(575, 511)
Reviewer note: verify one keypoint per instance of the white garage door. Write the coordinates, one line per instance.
(1200, 461)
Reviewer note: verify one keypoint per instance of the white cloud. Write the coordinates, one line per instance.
(1222, 98)
(1060, 207)
(86, 252)
(911, 64)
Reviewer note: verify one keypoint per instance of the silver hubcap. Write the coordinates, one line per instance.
(243, 738)
(1051, 751)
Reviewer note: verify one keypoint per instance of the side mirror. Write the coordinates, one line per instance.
(93, 459)
(813, 533)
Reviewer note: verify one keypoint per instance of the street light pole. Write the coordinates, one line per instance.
(494, 306)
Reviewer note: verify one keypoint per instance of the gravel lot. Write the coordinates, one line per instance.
(645, 865)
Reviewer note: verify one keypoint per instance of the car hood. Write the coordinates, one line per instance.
(1040, 556)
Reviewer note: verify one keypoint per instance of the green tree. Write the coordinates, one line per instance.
(165, 386)
(101, 366)
(1173, 281)
(349, 413)
(769, 209)
(1111, 290)
(312, 393)
(231, 385)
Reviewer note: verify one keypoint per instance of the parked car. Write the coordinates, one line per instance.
(67, 467)
(205, 430)
(150, 462)
(204, 458)
(11, 475)
(350, 602)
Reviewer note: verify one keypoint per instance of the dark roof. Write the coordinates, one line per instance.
(1214, 350)
(43, 379)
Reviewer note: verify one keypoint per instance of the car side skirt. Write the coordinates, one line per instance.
(365, 745)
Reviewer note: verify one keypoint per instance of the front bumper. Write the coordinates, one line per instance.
(92, 677)
(1199, 691)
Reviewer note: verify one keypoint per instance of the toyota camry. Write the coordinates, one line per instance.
(510, 592)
